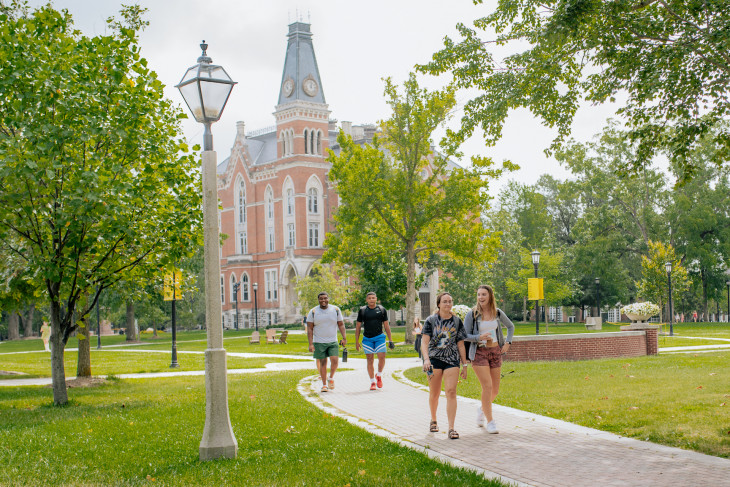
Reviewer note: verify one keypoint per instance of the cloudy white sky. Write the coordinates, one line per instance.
(356, 43)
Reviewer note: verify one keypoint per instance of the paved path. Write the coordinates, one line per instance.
(530, 449)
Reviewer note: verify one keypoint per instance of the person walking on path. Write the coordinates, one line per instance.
(46, 335)
(484, 330)
(417, 330)
(442, 345)
(322, 324)
(373, 318)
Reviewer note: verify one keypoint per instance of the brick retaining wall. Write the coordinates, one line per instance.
(583, 346)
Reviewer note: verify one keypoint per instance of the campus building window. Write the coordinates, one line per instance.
(244, 288)
(314, 234)
(312, 200)
(291, 234)
(242, 243)
(270, 238)
(272, 290)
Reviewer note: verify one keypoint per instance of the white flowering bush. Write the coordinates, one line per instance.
(643, 309)
(460, 310)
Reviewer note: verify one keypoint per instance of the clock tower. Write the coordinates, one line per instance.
(302, 115)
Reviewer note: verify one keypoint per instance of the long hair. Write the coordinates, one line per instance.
(491, 305)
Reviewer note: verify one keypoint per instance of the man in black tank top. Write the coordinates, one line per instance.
(373, 318)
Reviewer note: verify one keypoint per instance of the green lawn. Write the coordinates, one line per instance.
(147, 432)
(117, 361)
(680, 400)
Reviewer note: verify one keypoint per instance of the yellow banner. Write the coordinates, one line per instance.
(534, 289)
(171, 286)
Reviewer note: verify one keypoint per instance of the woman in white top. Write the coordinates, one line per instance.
(484, 331)
(417, 329)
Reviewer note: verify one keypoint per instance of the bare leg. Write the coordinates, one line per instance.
(381, 362)
(485, 381)
(451, 377)
(496, 378)
(322, 365)
(371, 369)
(334, 361)
(434, 391)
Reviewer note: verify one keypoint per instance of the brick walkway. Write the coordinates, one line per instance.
(530, 449)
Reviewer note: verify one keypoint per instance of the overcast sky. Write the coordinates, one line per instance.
(356, 44)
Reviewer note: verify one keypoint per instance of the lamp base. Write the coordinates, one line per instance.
(218, 439)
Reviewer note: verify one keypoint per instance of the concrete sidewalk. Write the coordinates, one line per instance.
(529, 449)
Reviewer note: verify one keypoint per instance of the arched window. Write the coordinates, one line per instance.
(312, 200)
(242, 202)
(269, 206)
(290, 144)
(289, 201)
(306, 146)
(311, 142)
(244, 288)
(319, 142)
(233, 289)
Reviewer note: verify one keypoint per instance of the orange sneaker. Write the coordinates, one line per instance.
(380, 381)
(372, 386)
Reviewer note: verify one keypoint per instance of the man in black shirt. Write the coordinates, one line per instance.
(374, 318)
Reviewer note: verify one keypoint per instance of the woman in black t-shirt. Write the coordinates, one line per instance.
(442, 345)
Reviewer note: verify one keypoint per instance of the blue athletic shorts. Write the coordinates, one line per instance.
(374, 345)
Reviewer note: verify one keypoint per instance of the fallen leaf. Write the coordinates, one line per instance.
(713, 373)
(437, 472)
(265, 437)
(698, 387)
(361, 472)
(587, 378)
(598, 417)
(633, 407)
(722, 404)
(149, 477)
(611, 375)
(362, 460)
(252, 397)
(604, 397)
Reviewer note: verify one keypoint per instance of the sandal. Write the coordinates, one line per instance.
(324, 389)
(453, 435)
(433, 427)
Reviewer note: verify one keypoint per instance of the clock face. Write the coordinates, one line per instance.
(309, 85)
(288, 87)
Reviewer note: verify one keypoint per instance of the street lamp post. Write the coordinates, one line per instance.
(98, 322)
(536, 262)
(173, 360)
(206, 88)
(598, 297)
(256, 304)
(236, 285)
(668, 267)
(727, 316)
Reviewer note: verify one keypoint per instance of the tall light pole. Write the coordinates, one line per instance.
(668, 267)
(206, 88)
(98, 321)
(536, 262)
(256, 304)
(728, 301)
(236, 285)
(598, 297)
(173, 360)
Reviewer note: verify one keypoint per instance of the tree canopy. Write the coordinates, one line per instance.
(669, 58)
(94, 184)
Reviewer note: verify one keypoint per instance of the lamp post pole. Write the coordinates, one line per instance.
(598, 297)
(256, 304)
(727, 316)
(206, 88)
(173, 361)
(536, 262)
(98, 322)
(235, 301)
(668, 267)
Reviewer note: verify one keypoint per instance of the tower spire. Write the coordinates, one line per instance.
(300, 80)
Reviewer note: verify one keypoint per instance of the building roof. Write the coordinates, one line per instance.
(300, 80)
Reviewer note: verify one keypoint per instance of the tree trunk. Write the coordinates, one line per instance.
(705, 309)
(410, 290)
(28, 322)
(58, 372)
(83, 365)
(524, 309)
(131, 331)
(14, 326)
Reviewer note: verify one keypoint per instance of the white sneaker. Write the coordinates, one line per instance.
(492, 427)
(480, 417)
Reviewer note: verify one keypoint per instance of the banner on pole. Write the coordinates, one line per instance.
(171, 286)
(534, 289)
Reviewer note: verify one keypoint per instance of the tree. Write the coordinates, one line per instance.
(654, 284)
(399, 195)
(383, 274)
(332, 279)
(668, 56)
(93, 182)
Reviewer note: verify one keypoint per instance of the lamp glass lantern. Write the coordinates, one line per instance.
(668, 266)
(598, 280)
(205, 87)
(535, 257)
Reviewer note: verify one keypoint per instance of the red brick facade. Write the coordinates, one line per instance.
(583, 346)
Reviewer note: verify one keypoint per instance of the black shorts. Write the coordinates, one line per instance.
(440, 364)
